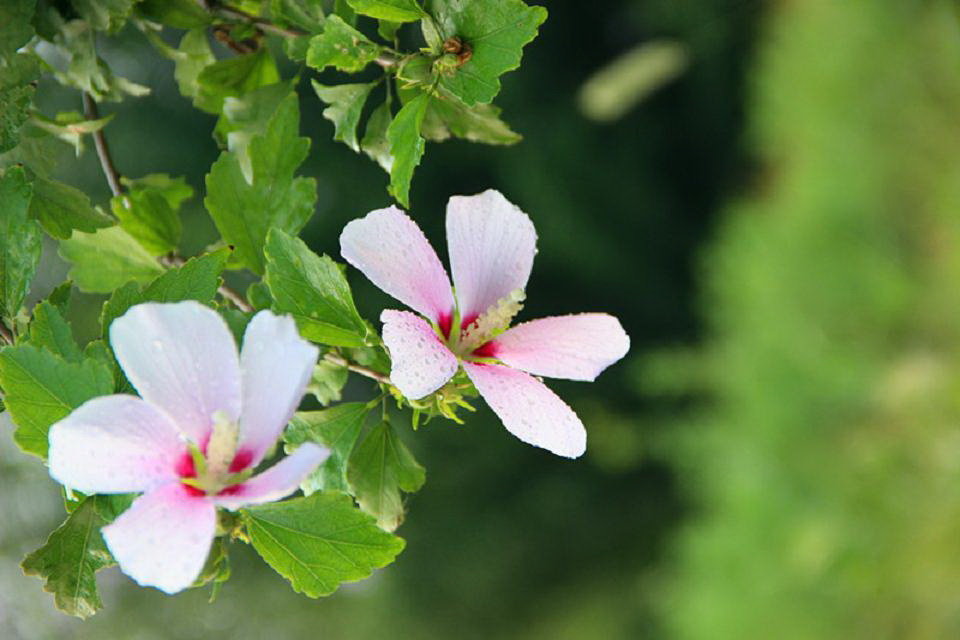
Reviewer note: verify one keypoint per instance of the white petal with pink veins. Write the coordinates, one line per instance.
(115, 444)
(181, 357)
(576, 347)
(421, 363)
(391, 250)
(492, 244)
(529, 410)
(276, 365)
(163, 539)
(278, 481)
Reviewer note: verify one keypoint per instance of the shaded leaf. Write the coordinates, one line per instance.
(18, 76)
(15, 27)
(50, 330)
(234, 77)
(336, 428)
(60, 209)
(20, 244)
(346, 103)
(147, 216)
(448, 116)
(375, 143)
(406, 146)
(327, 382)
(104, 260)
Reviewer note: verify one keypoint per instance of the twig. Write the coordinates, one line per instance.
(340, 361)
(235, 298)
(5, 334)
(91, 112)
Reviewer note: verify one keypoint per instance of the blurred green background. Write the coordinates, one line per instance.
(777, 227)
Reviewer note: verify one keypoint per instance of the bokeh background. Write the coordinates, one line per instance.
(774, 215)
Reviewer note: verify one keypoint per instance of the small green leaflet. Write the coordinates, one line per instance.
(244, 212)
(346, 103)
(496, 31)
(20, 244)
(107, 259)
(375, 143)
(73, 553)
(190, 58)
(341, 46)
(327, 382)
(70, 127)
(147, 216)
(379, 468)
(174, 190)
(17, 77)
(104, 15)
(320, 541)
(86, 71)
(41, 388)
(392, 10)
(60, 209)
(233, 77)
(15, 28)
(406, 146)
(50, 330)
(448, 116)
(314, 290)
(336, 428)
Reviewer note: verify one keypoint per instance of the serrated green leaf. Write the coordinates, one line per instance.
(375, 143)
(447, 116)
(72, 555)
(50, 330)
(496, 32)
(190, 58)
(20, 241)
(36, 149)
(393, 10)
(327, 382)
(182, 14)
(244, 212)
(104, 15)
(336, 428)
(346, 104)
(341, 46)
(15, 27)
(379, 468)
(41, 388)
(60, 209)
(234, 77)
(406, 146)
(246, 117)
(104, 260)
(147, 216)
(319, 542)
(18, 76)
(314, 290)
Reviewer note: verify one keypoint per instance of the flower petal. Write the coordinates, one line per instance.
(492, 244)
(163, 539)
(181, 357)
(115, 444)
(278, 481)
(276, 365)
(391, 250)
(420, 362)
(528, 409)
(576, 347)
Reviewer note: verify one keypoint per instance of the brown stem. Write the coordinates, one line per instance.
(91, 112)
(235, 298)
(340, 361)
(5, 334)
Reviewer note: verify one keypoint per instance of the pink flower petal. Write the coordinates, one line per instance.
(577, 347)
(278, 481)
(163, 539)
(529, 410)
(391, 250)
(276, 365)
(420, 362)
(181, 357)
(492, 244)
(115, 444)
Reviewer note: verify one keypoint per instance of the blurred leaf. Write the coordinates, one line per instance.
(190, 58)
(86, 71)
(60, 209)
(70, 127)
(346, 103)
(496, 32)
(448, 116)
(41, 388)
(181, 14)
(104, 260)
(104, 15)
(175, 190)
(216, 569)
(18, 76)
(314, 290)
(613, 90)
(336, 428)
(244, 212)
(20, 244)
(379, 468)
(233, 77)
(375, 142)
(319, 542)
(15, 27)
(300, 14)
(50, 330)
(327, 382)
(406, 146)
(149, 219)
(341, 46)
(393, 10)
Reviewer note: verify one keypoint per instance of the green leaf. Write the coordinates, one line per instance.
(190, 58)
(346, 103)
(248, 116)
(15, 27)
(175, 190)
(319, 542)
(496, 32)
(393, 10)
(86, 71)
(379, 468)
(306, 15)
(336, 428)
(406, 146)
(448, 116)
(197, 279)
(147, 216)
(70, 127)
(341, 46)
(106, 259)
(104, 15)
(60, 209)
(245, 211)
(234, 77)
(327, 382)
(72, 555)
(50, 330)
(20, 241)
(375, 143)
(41, 388)
(18, 77)
(314, 290)
(182, 14)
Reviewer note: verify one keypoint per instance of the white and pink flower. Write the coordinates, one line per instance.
(206, 417)
(492, 244)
